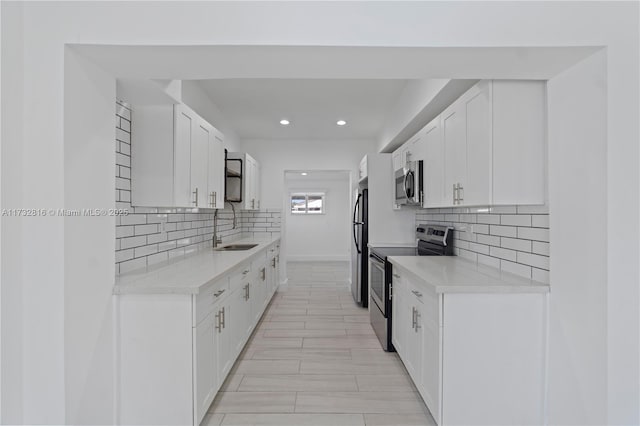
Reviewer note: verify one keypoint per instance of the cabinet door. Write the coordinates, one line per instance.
(400, 317)
(184, 124)
(241, 315)
(205, 371)
(415, 147)
(433, 165)
(455, 150)
(431, 366)
(249, 184)
(477, 184)
(226, 344)
(199, 163)
(215, 191)
(413, 358)
(256, 184)
(397, 160)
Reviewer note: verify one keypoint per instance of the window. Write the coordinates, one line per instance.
(307, 203)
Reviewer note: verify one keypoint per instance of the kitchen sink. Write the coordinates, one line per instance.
(236, 247)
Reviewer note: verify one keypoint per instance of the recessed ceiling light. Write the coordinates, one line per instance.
(284, 122)
(303, 173)
(341, 122)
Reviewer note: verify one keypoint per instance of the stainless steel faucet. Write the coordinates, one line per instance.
(217, 240)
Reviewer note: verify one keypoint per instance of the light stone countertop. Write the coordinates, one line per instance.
(188, 275)
(452, 274)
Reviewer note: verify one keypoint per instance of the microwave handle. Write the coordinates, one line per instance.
(406, 188)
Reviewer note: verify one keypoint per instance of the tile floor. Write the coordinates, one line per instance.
(314, 360)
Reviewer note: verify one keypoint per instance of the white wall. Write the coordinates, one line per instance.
(324, 236)
(38, 171)
(277, 156)
(577, 98)
(11, 272)
(88, 267)
(413, 98)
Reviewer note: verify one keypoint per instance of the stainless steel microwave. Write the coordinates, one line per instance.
(409, 184)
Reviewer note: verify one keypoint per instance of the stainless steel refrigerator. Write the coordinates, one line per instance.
(360, 265)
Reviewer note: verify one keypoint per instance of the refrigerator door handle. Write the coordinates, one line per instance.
(355, 223)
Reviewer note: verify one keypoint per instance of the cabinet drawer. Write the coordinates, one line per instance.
(258, 264)
(428, 301)
(240, 277)
(209, 296)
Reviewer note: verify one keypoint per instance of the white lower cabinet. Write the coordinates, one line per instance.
(475, 358)
(175, 350)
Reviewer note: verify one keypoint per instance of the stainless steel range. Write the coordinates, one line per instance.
(433, 240)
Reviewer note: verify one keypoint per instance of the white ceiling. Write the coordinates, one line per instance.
(254, 107)
(316, 175)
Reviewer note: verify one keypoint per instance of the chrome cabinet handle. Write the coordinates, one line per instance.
(417, 293)
(454, 194)
(196, 194)
(413, 317)
(273, 262)
(224, 319)
(417, 326)
(460, 197)
(245, 272)
(215, 199)
(263, 274)
(219, 322)
(218, 293)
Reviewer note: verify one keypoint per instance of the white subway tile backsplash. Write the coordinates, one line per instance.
(536, 234)
(157, 258)
(146, 229)
(133, 242)
(536, 260)
(123, 136)
(515, 244)
(503, 231)
(490, 219)
(516, 268)
(539, 247)
(489, 261)
(488, 239)
(540, 221)
(157, 238)
(124, 231)
(145, 250)
(131, 265)
(540, 275)
(479, 248)
(511, 238)
(469, 255)
(503, 253)
(515, 219)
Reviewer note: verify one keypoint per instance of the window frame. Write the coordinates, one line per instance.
(306, 196)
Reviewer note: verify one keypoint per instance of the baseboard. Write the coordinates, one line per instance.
(318, 258)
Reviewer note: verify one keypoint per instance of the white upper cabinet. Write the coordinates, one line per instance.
(487, 148)
(433, 165)
(200, 163)
(243, 180)
(175, 158)
(215, 183)
(467, 141)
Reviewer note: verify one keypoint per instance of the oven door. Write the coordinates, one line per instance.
(377, 282)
